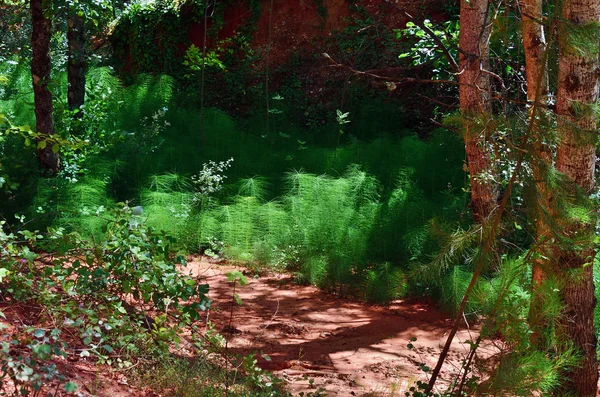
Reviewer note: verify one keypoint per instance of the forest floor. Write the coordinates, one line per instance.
(308, 338)
(318, 340)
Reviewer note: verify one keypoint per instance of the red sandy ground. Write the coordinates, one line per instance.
(348, 348)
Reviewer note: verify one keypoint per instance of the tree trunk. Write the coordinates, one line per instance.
(475, 104)
(76, 62)
(536, 71)
(40, 72)
(576, 158)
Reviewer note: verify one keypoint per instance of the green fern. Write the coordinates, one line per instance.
(168, 204)
(452, 288)
(16, 97)
(253, 187)
(384, 283)
(75, 206)
(104, 81)
(239, 229)
(314, 271)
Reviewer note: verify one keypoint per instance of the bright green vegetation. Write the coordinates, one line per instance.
(362, 201)
(353, 217)
(84, 292)
(375, 219)
(350, 218)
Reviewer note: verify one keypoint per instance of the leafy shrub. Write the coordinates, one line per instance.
(88, 288)
(29, 368)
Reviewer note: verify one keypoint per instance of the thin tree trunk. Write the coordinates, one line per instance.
(475, 103)
(536, 70)
(40, 71)
(76, 62)
(576, 158)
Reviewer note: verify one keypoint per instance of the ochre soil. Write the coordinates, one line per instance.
(346, 347)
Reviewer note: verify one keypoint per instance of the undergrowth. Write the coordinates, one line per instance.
(121, 301)
(344, 227)
(375, 219)
(109, 295)
(198, 377)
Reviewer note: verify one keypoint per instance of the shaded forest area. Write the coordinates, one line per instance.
(425, 152)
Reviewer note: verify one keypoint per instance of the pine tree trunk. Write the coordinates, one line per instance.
(475, 103)
(76, 62)
(576, 158)
(40, 71)
(536, 71)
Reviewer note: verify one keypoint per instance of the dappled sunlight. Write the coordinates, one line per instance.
(356, 346)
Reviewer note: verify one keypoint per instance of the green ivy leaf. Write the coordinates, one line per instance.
(70, 387)
(39, 333)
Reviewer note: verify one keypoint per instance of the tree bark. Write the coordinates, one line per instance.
(576, 158)
(40, 72)
(76, 62)
(475, 104)
(536, 71)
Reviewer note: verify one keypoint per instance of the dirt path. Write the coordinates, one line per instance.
(348, 348)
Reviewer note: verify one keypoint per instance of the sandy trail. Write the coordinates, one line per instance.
(348, 348)
(312, 339)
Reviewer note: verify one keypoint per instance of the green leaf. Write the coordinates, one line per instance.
(44, 351)
(70, 387)
(39, 333)
(3, 273)
(55, 148)
(42, 145)
(238, 300)
(237, 276)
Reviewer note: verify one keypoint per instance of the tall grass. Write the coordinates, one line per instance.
(167, 203)
(321, 228)
(76, 206)
(295, 199)
(332, 218)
